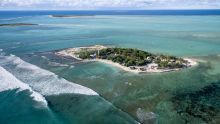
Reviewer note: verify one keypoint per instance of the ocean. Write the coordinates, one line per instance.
(38, 87)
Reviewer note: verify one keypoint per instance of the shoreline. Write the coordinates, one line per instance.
(128, 69)
(71, 16)
(17, 24)
(138, 69)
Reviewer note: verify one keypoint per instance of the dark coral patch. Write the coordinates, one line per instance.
(203, 104)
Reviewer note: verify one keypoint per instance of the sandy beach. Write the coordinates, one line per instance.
(70, 16)
(192, 62)
(148, 69)
(66, 54)
(138, 69)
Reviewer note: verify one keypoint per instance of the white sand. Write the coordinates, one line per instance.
(191, 63)
(71, 53)
(116, 65)
(65, 53)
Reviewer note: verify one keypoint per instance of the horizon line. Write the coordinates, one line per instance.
(105, 9)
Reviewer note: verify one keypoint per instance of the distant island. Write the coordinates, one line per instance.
(70, 16)
(17, 24)
(128, 59)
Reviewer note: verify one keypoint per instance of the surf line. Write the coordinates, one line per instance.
(40, 80)
(9, 82)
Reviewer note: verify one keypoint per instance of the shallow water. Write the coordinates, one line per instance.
(186, 96)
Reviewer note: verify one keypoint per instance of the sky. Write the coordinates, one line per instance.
(107, 4)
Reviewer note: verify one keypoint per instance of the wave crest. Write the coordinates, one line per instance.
(42, 81)
(9, 82)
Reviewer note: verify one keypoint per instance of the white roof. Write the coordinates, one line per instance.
(153, 64)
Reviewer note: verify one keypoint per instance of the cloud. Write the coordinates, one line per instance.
(110, 4)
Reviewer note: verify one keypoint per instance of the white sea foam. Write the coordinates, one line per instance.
(9, 82)
(2, 53)
(42, 81)
(58, 64)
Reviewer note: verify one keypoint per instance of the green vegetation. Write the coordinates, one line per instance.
(69, 16)
(86, 54)
(134, 57)
(17, 24)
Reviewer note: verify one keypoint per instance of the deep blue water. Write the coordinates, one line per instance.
(188, 96)
(111, 12)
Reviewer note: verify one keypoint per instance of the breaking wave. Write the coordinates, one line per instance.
(40, 80)
(9, 82)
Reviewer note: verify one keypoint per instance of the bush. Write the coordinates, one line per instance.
(134, 57)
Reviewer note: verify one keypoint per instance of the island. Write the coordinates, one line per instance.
(17, 24)
(128, 59)
(70, 16)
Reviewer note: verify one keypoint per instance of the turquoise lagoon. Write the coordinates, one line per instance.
(187, 96)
